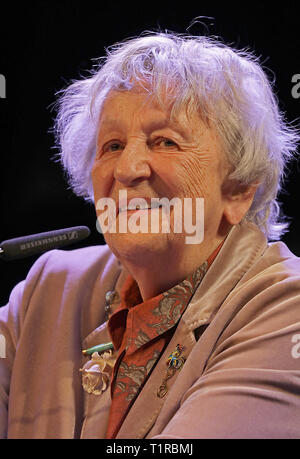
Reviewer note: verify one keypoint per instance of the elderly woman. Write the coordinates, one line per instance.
(186, 323)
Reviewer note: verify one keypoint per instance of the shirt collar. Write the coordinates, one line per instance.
(146, 320)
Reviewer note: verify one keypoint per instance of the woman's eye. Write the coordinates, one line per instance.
(112, 146)
(166, 143)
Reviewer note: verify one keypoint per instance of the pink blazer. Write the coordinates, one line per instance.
(241, 333)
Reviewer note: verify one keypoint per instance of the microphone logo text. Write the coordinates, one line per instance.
(2, 87)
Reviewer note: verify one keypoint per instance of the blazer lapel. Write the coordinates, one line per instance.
(242, 248)
(147, 406)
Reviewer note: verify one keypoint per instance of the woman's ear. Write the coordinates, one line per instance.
(238, 200)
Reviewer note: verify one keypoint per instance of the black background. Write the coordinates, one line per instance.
(43, 45)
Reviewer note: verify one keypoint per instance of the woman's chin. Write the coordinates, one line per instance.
(137, 246)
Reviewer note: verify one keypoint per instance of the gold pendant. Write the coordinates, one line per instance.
(174, 362)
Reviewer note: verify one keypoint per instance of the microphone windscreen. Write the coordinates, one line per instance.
(22, 247)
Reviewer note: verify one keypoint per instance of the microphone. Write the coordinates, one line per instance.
(22, 247)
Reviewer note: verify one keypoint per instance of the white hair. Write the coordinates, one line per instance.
(228, 87)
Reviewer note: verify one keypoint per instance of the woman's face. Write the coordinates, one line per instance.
(142, 153)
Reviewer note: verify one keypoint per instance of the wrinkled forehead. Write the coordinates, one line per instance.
(142, 98)
(156, 109)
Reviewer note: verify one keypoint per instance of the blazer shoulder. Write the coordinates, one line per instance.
(58, 268)
(279, 255)
(76, 262)
(275, 264)
(59, 271)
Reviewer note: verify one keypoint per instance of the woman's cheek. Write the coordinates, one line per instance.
(192, 176)
(102, 179)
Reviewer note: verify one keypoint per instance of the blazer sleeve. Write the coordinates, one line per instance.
(12, 317)
(250, 387)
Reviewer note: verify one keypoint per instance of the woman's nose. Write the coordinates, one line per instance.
(132, 165)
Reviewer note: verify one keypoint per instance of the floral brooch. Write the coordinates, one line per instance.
(96, 373)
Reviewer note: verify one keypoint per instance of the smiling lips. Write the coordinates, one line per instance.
(135, 204)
